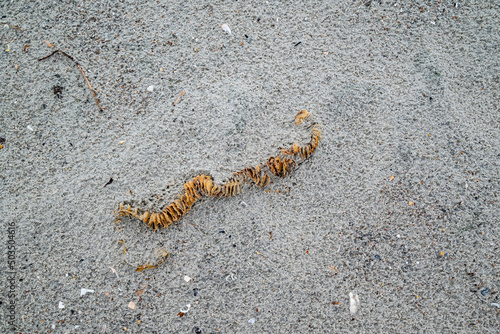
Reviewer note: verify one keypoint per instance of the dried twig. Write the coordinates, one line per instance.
(81, 71)
(13, 27)
(180, 95)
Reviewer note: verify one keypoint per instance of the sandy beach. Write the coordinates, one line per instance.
(392, 226)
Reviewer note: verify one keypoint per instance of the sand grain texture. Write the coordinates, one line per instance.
(402, 89)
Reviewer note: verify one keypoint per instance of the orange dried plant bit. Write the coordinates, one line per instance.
(316, 131)
(180, 205)
(303, 114)
(146, 266)
(265, 180)
(159, 220)
(208, 186)
(173, 211)
(125, 249)
(151, 221)
(166, 219)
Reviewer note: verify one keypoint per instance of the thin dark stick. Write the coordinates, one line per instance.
(81, 71)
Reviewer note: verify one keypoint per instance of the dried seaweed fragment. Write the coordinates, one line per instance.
(203, 186)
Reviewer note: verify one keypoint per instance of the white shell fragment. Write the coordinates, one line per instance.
(225, 27)
(186, 308)
(114, 271)
(187, 278)
(151, 88)
(61, 305)
(353, 303)
(85, 291)
(251, 321)
(30, 128)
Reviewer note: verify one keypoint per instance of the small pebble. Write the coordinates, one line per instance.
(151, 88)
(251, 321)
(187, 278)
(30, 128)
(131, 305)
(378, 257)
(61, 305)
(485, 292)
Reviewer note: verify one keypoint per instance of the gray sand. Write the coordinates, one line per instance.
(408, 90)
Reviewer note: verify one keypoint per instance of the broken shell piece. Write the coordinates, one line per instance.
(114, 271)
(225, 27)
(84, 291)
(353, 302)
(131, 305)
(186, 308)
(151, 88)
(61, 305)
(187, 278)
